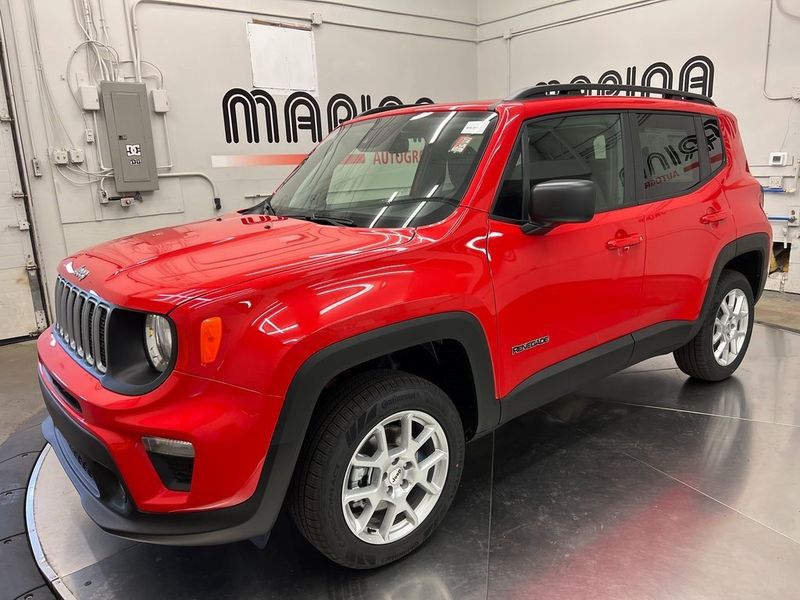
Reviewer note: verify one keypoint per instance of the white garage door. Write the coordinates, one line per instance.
(18, 316)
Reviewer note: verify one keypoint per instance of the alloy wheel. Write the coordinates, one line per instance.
(395, 477)
(730, 327)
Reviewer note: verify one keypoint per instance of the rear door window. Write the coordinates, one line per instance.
(670, 157)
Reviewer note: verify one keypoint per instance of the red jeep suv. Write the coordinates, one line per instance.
(425, 275)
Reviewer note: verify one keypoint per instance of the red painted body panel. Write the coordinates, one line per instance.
(566, 285)
(286, 289)
(229, 426)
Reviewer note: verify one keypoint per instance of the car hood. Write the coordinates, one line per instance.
(157, 270)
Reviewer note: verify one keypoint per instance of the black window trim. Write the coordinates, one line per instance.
(713, 172)
(706, 174)
(630, 197)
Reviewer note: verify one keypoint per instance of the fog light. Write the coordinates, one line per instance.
(169, 447)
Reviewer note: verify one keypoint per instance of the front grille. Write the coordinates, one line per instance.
(81, 320)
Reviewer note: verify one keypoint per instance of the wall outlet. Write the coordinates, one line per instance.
(776, 181)
(76, 156)
(36, 165)
(160, 100)
(88, 135)
(89, 97)
(778, 159)
(60, 156)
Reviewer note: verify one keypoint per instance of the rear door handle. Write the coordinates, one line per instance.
(714, 217)
(625, 243)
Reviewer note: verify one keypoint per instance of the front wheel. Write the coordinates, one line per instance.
(719, 347)
(380, 470)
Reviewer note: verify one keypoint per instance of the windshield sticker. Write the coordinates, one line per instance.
(476, 127)
(460, 144)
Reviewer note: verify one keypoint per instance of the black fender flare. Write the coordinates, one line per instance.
(753, 242)
(321, 367)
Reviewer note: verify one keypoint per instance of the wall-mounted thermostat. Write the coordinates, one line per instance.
(778, 159)
(130, 136)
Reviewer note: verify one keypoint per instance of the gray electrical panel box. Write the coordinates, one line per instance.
(130, 136)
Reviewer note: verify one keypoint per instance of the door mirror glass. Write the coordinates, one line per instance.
(562, 201)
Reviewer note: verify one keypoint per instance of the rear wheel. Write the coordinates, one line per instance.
(380, 470)
(720, 346)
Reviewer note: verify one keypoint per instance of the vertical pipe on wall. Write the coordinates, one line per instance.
(508, 64)
(766, 59)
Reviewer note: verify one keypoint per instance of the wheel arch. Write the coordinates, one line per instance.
(322, 367)
(750, 256)
(461, 330)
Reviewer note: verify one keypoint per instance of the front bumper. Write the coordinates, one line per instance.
(97, 439)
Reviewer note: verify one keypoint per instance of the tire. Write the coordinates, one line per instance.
(355, 412)
(697, 358)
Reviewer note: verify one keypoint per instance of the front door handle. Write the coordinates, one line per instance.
(714, 217)
(624, 243)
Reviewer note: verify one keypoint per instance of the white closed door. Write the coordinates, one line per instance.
(18, 281)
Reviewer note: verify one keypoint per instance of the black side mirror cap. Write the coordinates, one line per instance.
(560, 201)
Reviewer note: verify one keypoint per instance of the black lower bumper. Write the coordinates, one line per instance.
(106, 500)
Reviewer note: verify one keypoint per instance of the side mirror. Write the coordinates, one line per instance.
(560, 201)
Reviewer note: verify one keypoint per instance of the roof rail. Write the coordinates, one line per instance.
(380, 109)
(572, 89)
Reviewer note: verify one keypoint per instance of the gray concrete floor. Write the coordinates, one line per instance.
(780, 309)
(20, 399)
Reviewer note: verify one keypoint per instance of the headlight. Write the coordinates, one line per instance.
(158, 341)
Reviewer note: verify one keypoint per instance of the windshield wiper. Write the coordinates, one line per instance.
(267, 208)
(397, 202)
(316, 217)
(262, 208)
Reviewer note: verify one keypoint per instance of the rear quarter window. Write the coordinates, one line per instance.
(714, 143)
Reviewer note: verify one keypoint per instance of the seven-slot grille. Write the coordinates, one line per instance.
(81, 322)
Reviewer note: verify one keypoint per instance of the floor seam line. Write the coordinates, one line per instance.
(639, 371)
(133, 545)
(710, 497)
(489, 535)
(691, 487)
(696, 412)
(5, 460)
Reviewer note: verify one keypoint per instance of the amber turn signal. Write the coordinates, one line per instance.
(210, 339)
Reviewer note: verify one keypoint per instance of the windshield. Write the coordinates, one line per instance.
(394, 171)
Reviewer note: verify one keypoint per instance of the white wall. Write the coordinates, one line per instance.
(560, 39)
(446, 50)
(406, 48)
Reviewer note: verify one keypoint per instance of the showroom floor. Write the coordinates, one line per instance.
(645, 485)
